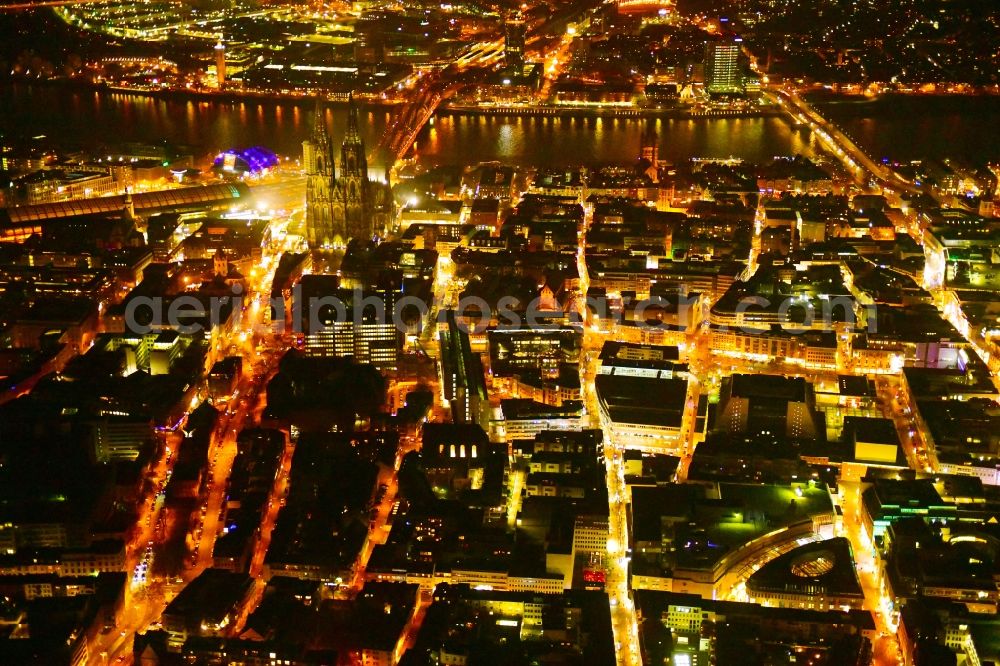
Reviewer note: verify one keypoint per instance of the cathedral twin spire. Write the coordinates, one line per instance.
(353, 134)
(345, 205)
(353, 160)
(319, 121)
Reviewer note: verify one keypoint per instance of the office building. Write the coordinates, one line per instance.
(769, 405)
(349, 328)
(815, 576)
(523, 418)
(641, 394)
(590, 534)
(513, 45)
(722, 68)
(463, 381)
(207, 606)
(827, 637)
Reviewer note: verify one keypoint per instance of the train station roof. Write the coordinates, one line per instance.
(144, 202)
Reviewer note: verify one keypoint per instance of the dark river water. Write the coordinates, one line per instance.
(912, 127)
(907, 127)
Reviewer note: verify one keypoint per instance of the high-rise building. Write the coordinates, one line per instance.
(722, 67)
(345, 325)
(351, 206)
(463, 381)
(220, 63)
(513, 45)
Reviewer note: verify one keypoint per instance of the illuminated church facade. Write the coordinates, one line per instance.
(350, 206)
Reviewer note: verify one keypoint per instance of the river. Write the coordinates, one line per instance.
(962, 127)
(910, 127)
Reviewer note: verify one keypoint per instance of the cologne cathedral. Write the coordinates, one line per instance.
(350, 206)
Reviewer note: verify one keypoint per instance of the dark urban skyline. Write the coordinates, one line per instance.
(617, 332)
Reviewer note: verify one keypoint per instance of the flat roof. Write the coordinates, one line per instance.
(59, 310)
(453, 433)
(718, 522)
(913, 493)
(856, 385)
(646, 400)
(526, 408)
(872, 430)
(945, 383)
(614, 350)
(210, 596)
(769, 386)
(144, 201)
(651, 601)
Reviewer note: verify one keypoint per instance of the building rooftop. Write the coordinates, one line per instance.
(644, 400)
(526, 408)
(629, 353)
(820, 568)
(443, 434)
(856, 385)
(792, 389)
(871, 430)
(655, 603)
(210, 597)
(896, 493)
(144, 202)
(710, 523)
(60, 310)
(939, 383)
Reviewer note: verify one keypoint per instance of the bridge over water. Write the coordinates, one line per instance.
(842, 146)
(424, 100)
(471, 66)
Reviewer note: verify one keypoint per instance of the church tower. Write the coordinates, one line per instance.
(352, 205)
(650, 148)
(649, 152)
(129, 211)
(317, 159)
(352, 198)
(220, 262)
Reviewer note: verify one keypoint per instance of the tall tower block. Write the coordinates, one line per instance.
(220, 63)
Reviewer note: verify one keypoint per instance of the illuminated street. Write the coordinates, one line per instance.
(590, 332)
(622, 609)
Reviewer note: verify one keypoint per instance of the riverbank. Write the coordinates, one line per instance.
(606, 112)
(185, 94)
(89, 118)
(448, 108)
